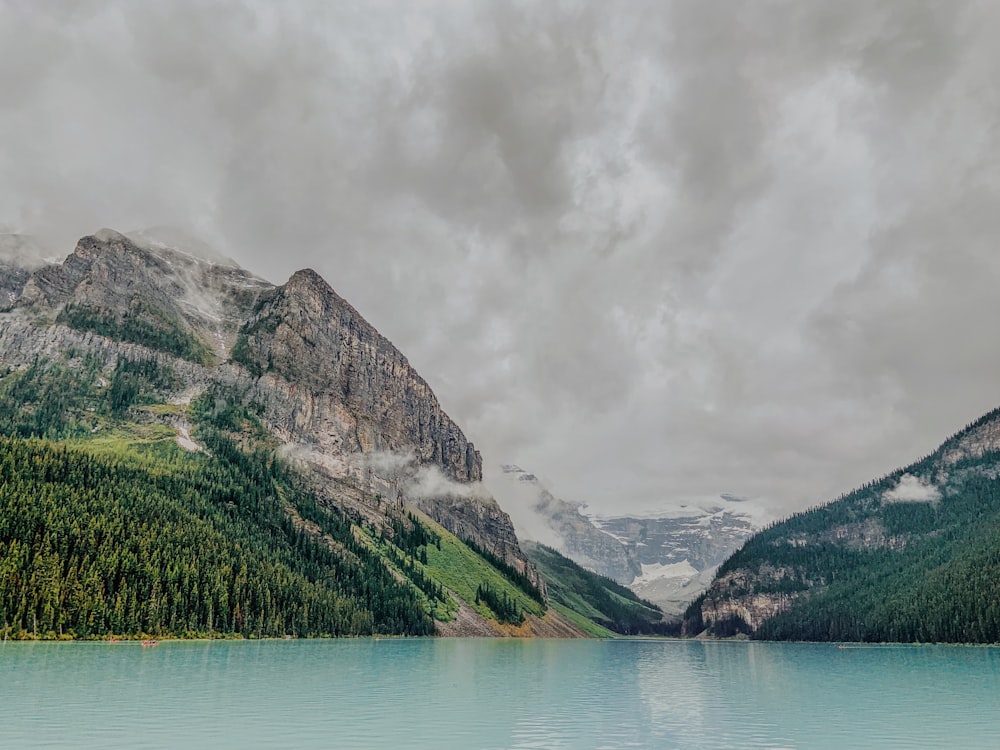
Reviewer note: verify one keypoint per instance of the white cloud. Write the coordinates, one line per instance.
(912, 489)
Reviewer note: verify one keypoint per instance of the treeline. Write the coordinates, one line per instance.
(140, 324)
(179, 544)
(56, 401)
(412, 537)
(512, 574)
(503, 606)
(132, 380)
(406, 545)
(49, 400)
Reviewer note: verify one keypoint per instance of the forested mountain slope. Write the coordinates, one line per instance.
(115, 522)
(914, 556)
(187, 449)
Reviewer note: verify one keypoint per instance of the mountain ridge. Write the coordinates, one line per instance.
(910, 556)
(124, 340)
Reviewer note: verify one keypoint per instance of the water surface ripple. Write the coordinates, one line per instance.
(493, 694)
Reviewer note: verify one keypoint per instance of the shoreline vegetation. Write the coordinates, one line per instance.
(139, 639)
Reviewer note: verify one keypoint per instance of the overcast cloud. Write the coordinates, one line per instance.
(651, 252)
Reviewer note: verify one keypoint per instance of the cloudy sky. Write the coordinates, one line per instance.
(650, 251)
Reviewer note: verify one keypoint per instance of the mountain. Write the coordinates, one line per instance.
(913, 556)
(678, 550)
(668, 558)
(270, 425)
(19, 256)
(544, 518)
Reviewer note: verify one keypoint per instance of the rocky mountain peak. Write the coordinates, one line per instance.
(305, 334)
(324, 382)
(308, 296)
(20, 255)
(113, 284)
(105, 236)
(107, 246)
(307, 280)
(345, 387)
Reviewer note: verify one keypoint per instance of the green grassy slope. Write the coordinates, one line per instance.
(457, 567)
(599, 600)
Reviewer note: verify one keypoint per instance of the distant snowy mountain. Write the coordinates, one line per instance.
(679, 550)
(541, 517)
(667, 557)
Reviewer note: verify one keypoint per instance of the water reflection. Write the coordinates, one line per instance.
(762, 695)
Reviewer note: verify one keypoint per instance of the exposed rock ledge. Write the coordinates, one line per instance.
(470, 624)
(753, 609)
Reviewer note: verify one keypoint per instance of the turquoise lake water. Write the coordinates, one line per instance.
(468, 694)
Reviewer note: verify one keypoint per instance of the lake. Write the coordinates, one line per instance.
(467, 694)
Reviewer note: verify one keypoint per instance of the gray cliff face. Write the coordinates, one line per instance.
(19, 256)
(752, 608)
(589, 545)
(329, 387)
(357, 381)
(12, 281)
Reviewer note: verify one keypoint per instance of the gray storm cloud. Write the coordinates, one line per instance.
(653, 250)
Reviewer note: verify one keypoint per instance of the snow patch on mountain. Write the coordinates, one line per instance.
(659, 571)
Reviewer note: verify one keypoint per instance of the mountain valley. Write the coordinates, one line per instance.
(667, 558)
